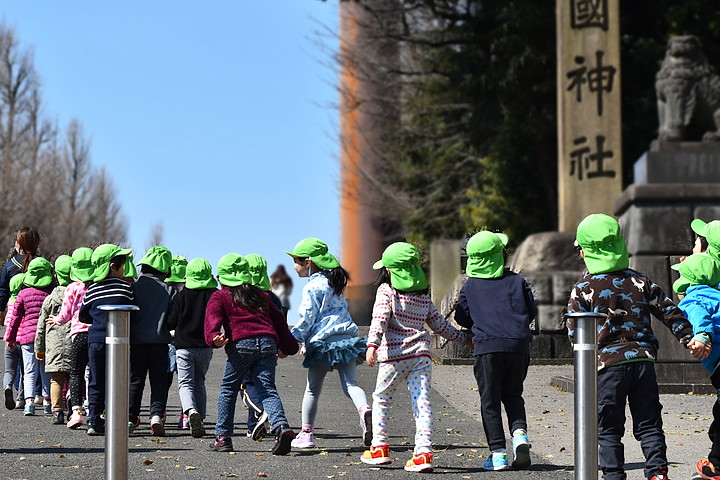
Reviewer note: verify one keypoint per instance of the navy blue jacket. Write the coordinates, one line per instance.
(11, 268)
(153, 296)
(499, 311)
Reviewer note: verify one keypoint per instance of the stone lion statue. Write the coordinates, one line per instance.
(688, 93)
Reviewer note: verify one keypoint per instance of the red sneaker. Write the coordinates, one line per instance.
(660, 475)
(377, 455)
(420, 463)
(707, 470)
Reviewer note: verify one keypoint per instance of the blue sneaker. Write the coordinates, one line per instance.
(496, 461)
(29, 409)
(521, 450)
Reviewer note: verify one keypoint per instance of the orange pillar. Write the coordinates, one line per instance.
(361, 242)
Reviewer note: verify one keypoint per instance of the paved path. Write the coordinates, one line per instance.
(33, 448)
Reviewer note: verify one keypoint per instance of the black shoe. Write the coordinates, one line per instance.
(9, 398)
(283, 440)
(222, 444)
(58, 418)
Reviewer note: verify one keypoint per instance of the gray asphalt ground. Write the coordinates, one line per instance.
(33, 448)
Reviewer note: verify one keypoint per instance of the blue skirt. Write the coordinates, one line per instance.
(333, 353)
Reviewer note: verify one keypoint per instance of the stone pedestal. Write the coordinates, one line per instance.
(674, 183)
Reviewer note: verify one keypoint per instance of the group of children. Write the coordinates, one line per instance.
(64, 328)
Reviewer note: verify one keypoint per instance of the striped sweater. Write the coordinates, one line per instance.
(398, 325)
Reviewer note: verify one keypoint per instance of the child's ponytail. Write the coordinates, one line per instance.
(338, 278)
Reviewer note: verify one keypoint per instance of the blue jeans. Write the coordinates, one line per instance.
(253, 358)
(34, 368)
(192, 365)
(14, 369)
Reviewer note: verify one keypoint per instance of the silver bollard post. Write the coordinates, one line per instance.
(117, 379)
(586, 430)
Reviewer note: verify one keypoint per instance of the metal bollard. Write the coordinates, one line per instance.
(117, 377)
(586, 430)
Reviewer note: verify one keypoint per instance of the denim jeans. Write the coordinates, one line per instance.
(253, 358)
(32, 369)
(13, 360)
(192, 365)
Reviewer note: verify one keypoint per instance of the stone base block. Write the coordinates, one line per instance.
(657, 229)
(550, 319)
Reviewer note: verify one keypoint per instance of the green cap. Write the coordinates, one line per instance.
(101, 259)
(15, 285)
(233, 270)
(158, 258)
(711, 232)
(485, 255)
(199, 275)
(177, 269)
(603, 244)
(63, 264)
(317, 251)
(129, 270)
(403, 262)
(258, 271)
(81, 265)
(39, 273)
(697, 269)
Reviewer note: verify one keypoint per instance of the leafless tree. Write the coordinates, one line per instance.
(156, 235)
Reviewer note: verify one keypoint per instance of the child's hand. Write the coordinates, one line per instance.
(51, 321)
(40, 356)
(370, 356)
(220, 341)
(281, 354)
(10, 345)
(699, 350)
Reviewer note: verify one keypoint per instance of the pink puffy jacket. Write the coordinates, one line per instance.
(23, 323)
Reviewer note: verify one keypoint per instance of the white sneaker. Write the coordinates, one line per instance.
(262, 427)
(156, 426)
(197, 429)
(304, 440)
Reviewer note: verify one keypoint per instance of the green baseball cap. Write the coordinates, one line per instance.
(603, 244)
(258, 271)
(485, 255)
(158, 258)
(711, 232)
(697, 269)
(403, 262)
(233, 270)
(177, 269)
(63, 264)
(39, 273)
(199, 275)
(101, 259)
(317, 251)
(129, 269)
(81, 265)
(16, 283)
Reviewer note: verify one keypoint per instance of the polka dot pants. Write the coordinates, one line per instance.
(415, 373)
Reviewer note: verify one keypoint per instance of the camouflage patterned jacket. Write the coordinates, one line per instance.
(628, 298)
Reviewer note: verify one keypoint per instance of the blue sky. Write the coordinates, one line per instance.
(215, 118)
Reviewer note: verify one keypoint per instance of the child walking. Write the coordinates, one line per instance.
(627, 347)
(187, 318)
(53, 343)
(13, 356)
(22, 328)
(402, 344)
(329, 335)
(150, 336)
(255, 335)
(498, 305)
(109, 289)
(699, 279)
(81, 274)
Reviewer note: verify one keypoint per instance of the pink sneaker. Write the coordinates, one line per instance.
(304, 440)
(76, 419)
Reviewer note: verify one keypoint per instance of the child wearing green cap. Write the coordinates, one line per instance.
(22, 328)
(150, 337)
(253, 331)
(176, 279)
(498, 305)
(187, 318)
(53, 343)
(402, 344)
(13, 356)
(328, 333)
(81, 274)
(109, 288)
(699, 279)
(627, 346)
